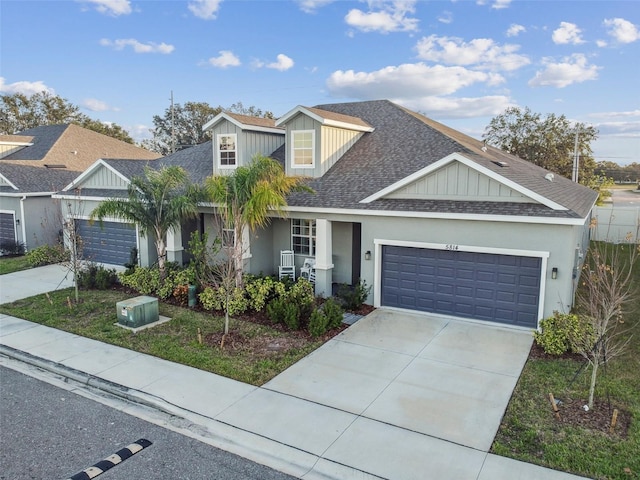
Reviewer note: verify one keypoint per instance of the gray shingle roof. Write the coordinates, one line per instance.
(30, 179)
(405, 142)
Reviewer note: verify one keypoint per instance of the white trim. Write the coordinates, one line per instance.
(242, 126)
(89, 171)
(17, 144)
(23, 224)
(218, 151)
(322, 120)
(440, 215)
(83, 198)
(27, 194)
(379, 243)
(313, 149)
(9, 182)
(471, 164)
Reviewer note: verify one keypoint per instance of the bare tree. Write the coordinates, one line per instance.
(606, 291)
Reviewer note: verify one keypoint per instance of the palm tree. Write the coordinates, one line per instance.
(246, 197)
(157, 203)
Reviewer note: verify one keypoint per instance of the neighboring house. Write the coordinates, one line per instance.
(38, 162)
(435, 221)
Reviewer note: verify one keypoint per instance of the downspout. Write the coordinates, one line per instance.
(23, 222)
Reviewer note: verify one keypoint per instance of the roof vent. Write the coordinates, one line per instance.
(54, 165)
(549, 176)
(500, 164)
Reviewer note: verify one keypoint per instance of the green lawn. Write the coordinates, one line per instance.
(530, 431)
(13, 264)
(252, 354)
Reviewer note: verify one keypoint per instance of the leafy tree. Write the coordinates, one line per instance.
(246, 197)
(187, 121)
(20, 112)
(545, 141)
(157, 203)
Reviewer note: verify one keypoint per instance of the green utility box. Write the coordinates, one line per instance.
(138, 311)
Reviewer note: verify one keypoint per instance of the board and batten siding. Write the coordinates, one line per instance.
(458, 181)
(330, 144)
(248, 143)
(104, 178)
(6, 150)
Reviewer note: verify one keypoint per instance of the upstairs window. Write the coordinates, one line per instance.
(227, 150)
(303, 237)
(302, 148)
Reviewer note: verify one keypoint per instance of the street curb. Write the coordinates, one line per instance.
(285, 458)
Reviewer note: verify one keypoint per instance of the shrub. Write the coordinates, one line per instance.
(562, 333)
(333, 312)
(181, 294)
(93, 276)
(215, 298)
(143, 280)
(302, 295)
(11, 248)
(280, 310)
(353, 298)
(261, 290)
(318, 323)
(46, 255)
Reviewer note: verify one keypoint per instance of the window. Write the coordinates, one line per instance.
(303, 237)
(228, 237)
(303, 147)
(227, 150)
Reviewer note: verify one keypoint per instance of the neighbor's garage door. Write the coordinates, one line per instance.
(482, 286)
(110, 242)
(7, 228)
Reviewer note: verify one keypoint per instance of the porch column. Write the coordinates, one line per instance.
(174, 246)
(324, 260)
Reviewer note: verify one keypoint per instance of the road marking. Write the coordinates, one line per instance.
(112, 460)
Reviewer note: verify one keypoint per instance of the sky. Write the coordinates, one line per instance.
(460, 62)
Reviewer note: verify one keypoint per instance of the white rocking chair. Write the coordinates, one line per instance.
(308, 266)
(287, 266)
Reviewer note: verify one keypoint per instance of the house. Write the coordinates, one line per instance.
(37, 163)
(431, 219)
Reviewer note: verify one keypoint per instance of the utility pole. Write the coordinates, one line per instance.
(576, 157)
(173, 127)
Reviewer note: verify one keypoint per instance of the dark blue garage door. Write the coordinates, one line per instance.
(110, 243)
(7, 227)
(482, 286)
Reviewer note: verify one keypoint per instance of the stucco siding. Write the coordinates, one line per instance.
(342, 251)
(43, 221)
(457, 181)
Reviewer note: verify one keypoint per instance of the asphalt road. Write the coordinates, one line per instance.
(50, 433)
(626, 197)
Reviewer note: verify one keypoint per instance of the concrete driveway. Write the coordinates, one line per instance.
(448, 379)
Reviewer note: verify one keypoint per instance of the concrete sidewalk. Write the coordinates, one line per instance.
(310, 438)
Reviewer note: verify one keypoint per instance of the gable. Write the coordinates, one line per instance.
(457, 181)
(100, 176)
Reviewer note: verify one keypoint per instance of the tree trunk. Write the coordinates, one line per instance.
(592, 387)
(161, 250)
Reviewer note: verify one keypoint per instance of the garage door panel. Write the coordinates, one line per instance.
(499, 288)
(7, 227)
(109, 243)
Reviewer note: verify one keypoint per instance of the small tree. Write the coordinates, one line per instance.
(158, 202)
(606, 290)
(246, 197)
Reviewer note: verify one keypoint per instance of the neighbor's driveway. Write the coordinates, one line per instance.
(448, 379)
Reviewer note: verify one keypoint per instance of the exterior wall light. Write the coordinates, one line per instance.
(554, 273)
(367, 255)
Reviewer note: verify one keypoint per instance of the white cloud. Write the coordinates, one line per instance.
(515, 30)
(567, 33)
(625, 114)
(310, 6)
(226, 59)
(620, 129)
(452, 107)
(392, 16)
(282, 63)
(601, 43)
(24, 87)
(96, 105)
(406, 81)
(482, 53)
(111, 7)
(622, 30)
(573, 69)
(204, 9)
(446, 17)
(138, 47)
(497, 4)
